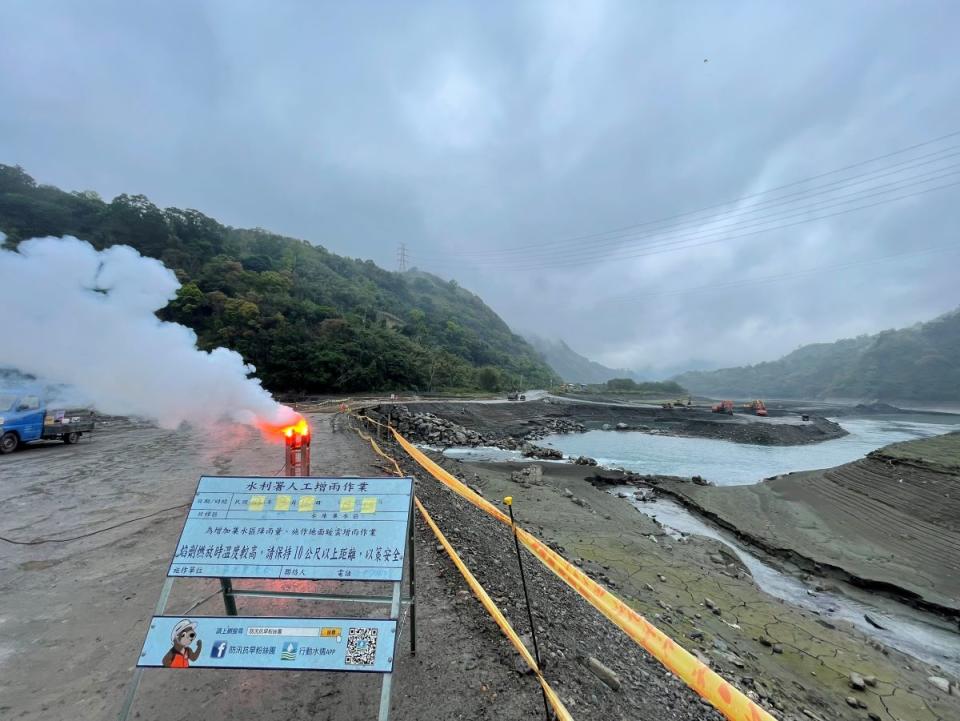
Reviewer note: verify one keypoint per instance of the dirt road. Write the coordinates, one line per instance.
(73, 615)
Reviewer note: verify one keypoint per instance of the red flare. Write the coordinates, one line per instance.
(278, 433)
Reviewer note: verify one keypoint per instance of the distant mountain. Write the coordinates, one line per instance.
(309, 320)
(573, 367)
(918, 363)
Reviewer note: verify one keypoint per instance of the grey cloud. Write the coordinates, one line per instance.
(458, 127)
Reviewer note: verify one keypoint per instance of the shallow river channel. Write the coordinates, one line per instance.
(726, 463)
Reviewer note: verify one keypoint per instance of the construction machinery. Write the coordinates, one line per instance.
(757, 407)
(723, 407)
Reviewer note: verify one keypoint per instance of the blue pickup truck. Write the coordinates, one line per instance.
(26, 417)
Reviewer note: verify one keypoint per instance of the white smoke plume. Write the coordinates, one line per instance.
(86, 318)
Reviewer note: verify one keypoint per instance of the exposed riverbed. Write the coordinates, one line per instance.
(729, 464)
(906, 629)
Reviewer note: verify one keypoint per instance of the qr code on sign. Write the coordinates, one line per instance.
(361, 646)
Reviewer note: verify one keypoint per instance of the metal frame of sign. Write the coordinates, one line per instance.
(230, 594)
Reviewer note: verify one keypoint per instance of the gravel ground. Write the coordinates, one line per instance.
(517, 419)
(569, 630)
(73, 615)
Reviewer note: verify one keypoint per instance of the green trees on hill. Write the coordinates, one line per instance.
(308, 319)
(917, 363)
(648, 387)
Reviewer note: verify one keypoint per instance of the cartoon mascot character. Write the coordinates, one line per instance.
(183, 635)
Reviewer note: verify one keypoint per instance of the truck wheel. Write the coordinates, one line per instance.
(69, 438)
(9, 442)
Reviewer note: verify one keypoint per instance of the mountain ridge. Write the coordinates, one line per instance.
(920, 362)
(573, 367)
(309, 320)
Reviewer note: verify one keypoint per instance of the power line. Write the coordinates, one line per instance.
(782, 276)
(402, 258)
(684, 243)
(675, 247)
(783, 214)
(740, 199)
(825, 189)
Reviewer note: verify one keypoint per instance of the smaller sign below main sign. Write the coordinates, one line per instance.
(303, 644)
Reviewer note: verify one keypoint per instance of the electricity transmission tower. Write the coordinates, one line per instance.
(402, 257)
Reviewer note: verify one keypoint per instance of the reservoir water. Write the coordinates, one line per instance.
(727, 463)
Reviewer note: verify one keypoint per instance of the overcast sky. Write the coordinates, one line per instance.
(489, 137)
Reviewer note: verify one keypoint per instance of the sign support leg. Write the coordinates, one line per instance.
(229, 602)
(384, 714)
(413, 582)
(138, 671)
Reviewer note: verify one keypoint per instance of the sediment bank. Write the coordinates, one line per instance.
(506, 424)
(796, 662)
(889, 522)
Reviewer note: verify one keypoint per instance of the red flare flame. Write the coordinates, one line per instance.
(278, 433)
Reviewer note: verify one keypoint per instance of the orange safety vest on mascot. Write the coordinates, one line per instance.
(180, 660)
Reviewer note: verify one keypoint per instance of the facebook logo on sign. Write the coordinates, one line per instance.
(219, 649)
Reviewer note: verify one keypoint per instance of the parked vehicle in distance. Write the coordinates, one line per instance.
(26, 417)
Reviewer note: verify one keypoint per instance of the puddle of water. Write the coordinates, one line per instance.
(929, 643)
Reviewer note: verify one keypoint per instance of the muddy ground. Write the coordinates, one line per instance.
(889, 521)
(517, 419)
(797, 663)
(73, 614)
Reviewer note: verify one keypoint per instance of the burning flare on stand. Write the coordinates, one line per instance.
(278, 433)
(295, 435)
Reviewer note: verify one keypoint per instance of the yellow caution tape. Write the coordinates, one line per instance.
(497, 615)
(478, 590)
(378, 450)
(727, 699)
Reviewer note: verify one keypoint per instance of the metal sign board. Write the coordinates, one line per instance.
(291, 644)
(299, 528)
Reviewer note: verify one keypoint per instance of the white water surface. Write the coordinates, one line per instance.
(726, 463)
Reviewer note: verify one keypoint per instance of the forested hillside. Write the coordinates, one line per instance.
(917, 363)
(308, 320)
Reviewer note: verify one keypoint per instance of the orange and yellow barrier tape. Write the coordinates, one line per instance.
(497, 615)
(379, 451)
(481, 594)
(725, 697)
